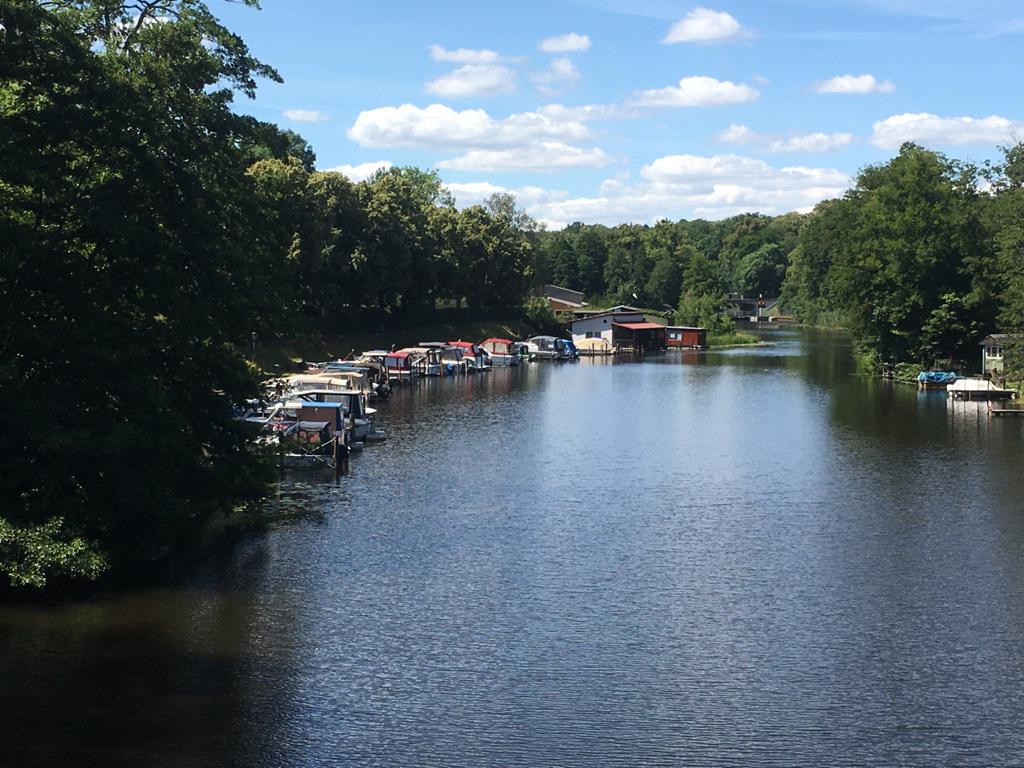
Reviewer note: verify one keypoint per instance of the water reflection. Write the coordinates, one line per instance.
(746, 557)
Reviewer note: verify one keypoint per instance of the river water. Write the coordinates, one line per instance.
(749, 557)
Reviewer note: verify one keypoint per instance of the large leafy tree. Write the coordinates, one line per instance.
(126, 287)
(899, 257)
(1005, 216)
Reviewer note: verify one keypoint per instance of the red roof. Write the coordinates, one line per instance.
(641, 326)
(496, 341)
(463, 344)
(401, 353)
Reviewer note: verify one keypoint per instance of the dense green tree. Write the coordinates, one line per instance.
(699, 273)
(703, 311)
(1005, 218)
(625, 247)
(664, 282)
(889, 255)
(760, 272)
(591, 255)
(562, 259)
(126, 282)
(267, 141)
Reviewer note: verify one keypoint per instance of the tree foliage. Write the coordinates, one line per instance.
(127, 285)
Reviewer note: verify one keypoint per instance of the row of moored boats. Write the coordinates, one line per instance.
(317, 418)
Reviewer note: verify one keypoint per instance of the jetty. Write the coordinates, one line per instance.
(978, 389)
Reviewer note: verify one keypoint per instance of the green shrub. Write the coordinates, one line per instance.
(31, 555)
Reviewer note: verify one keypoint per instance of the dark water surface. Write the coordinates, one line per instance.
(745, 558)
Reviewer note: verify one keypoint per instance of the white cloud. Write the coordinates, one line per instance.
(475, 192)
(541, 156)
(702, 25)
(585, 112)
(438, 126)
(305, 115)
(361, 171)
(854, 84)
(564, 43)
(689, 186)
(783, 143)
(474, 80)
(464, 55)
(561, 70)
(696, 92)
(738, 134)
(925, 128)
(539, 140)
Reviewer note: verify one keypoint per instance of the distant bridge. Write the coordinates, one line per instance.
(751, 306)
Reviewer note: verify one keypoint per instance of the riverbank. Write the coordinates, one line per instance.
(286, 353)
(733, 339)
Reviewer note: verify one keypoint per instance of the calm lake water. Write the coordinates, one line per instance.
(738, 558)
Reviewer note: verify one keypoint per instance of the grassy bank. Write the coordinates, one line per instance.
(731, 339)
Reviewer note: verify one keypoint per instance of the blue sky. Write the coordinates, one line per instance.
(606, 111)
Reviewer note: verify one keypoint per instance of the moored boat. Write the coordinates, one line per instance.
(474, 357)
(500, 351)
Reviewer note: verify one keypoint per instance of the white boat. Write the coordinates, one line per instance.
(543, 347)
(474, 358)
(500, 351)
(425, 360)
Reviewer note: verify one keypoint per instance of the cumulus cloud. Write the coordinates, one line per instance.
(564, 43)
(541, 156)
(464, 55)
(439, 126)
(692, 186)
(305, 115)
(474, 80)
(696, 92)
(561, 70)
(475, 192)
(361, 171)
(854, 84)
(703, 25)
(783, 143)
(546, 138)
(925, 128)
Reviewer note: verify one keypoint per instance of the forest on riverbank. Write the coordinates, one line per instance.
(151, 233)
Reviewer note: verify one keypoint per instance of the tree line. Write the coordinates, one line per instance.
(919, 260)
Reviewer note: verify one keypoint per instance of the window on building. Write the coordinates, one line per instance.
(995, 352)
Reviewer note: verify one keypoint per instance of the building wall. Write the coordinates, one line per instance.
(594, 334)
(686, 337)
(604, 323)
(992, 359)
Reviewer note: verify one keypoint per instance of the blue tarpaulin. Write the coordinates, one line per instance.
(937, 377)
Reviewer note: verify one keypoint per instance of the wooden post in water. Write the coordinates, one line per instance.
(340, 455)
